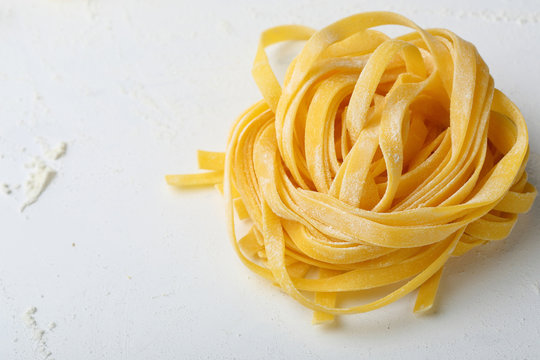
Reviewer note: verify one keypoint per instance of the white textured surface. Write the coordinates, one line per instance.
(129, 268)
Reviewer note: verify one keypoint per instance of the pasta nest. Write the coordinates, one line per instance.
(377, 160)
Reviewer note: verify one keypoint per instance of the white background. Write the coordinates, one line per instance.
(135, 87)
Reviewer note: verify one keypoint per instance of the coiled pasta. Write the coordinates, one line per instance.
(378, 160)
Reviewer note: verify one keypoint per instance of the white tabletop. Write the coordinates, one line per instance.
(129, 268)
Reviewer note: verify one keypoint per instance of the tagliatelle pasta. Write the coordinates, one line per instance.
(378, 160)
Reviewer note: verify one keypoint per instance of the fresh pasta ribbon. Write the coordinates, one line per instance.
(378, 160)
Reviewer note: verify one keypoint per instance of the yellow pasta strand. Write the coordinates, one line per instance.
(208, 178)
(378, 160)
(209, 160)
(426, 293)
(327, 299)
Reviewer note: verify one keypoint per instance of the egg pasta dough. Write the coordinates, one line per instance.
(378, 160)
